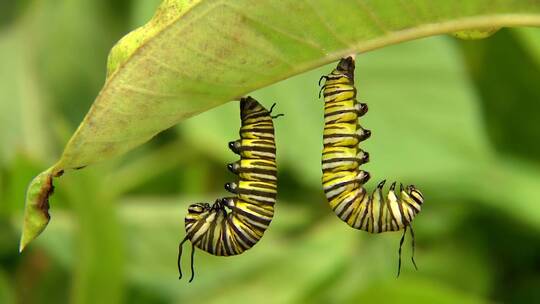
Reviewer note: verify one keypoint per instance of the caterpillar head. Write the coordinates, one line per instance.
(248, 103)
(346, 66)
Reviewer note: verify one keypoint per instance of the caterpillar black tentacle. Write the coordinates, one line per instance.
(233, 225)
(399, 250)
(342, 179)
(413, 245)
(272, 109)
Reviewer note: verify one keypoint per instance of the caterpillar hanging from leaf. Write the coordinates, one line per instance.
(343, 180)
(232, 225)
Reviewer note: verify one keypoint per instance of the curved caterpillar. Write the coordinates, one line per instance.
(342, 178)
(210, 227)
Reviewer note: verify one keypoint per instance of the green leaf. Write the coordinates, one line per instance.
(195, 55)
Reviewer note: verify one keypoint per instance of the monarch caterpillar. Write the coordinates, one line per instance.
(342, 178)
(210, 227)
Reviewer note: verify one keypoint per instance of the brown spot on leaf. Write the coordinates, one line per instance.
(43, 199)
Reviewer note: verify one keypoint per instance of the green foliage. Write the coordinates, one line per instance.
(438, 116)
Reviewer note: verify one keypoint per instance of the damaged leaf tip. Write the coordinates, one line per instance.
(36, 211)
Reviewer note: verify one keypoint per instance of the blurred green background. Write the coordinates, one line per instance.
(458, 119)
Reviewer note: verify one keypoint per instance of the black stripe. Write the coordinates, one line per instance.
(268, 130)
(241, 235)
(392, 214)
(258, 149)
(210, 241)
(380, 221)
(339, 112)
(252, 216)
(229, 246)
(258, 136)
(336, 175)
(364, 216)
(251, 229)
(259, 202)
(260, 210)
(336, 126)
(257, 170)
(256, 192)
(267, 136)
(364, 193)
(198, 225)
(328, 150)
(339, 185)
(256, 115)
(370, 202)
(336, 92)
(416, 211)
(336, 75)
(336, 85)
(341, 135)
(260, 179)
(334, 103)
(262, 163)
(403, 218)
(271, 186)
(235, 246)
(416, 200)
(227, 237)
(356, 196)
(262, 123)
(338, 121)
(331, 145)
(263, 142)
(338, 159)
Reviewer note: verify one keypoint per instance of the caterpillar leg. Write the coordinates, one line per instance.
(235, 146)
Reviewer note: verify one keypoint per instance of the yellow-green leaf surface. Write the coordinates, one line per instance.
(195, 55)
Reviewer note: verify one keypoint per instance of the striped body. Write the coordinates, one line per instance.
(224, 233)
(342, 180)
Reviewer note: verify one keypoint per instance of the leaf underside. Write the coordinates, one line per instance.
(195, 55)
